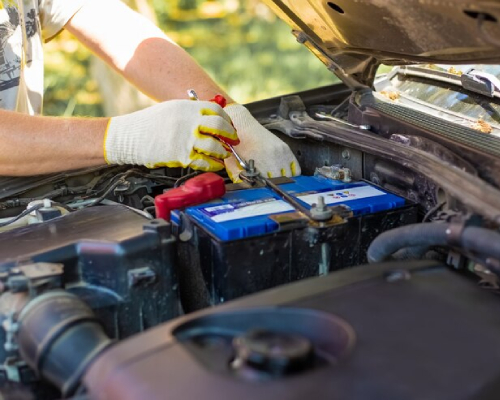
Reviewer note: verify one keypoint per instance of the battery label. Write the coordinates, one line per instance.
(343, 195)
(248, 213)
(234, 211)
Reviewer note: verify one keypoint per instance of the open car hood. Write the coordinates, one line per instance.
(352, 37)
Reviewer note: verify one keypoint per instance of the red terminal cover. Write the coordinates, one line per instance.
(203, 188)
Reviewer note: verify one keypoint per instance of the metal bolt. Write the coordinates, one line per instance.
(346, 154)
(321, 203)
(320, 212)
(301, 38)
(251, 172)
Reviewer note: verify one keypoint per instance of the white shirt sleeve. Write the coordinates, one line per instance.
(54, 14)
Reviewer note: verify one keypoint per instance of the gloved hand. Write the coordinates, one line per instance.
(273, 158)
(176, 133)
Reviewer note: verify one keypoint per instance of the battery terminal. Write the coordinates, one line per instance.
(335, 172)
(320, 212)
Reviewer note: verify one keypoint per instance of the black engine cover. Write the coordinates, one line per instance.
(116, 260)
(389, 331)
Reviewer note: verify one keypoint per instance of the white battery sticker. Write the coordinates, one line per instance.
(343, 195)
(231, 212)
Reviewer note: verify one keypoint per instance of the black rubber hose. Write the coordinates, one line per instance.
(59, 336)
(481, 241)
(411, 253)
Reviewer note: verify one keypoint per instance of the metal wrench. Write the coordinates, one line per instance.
(251, 174)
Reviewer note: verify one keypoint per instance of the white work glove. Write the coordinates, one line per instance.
(177, 133)
(273, 158)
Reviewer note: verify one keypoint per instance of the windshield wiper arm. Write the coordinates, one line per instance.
(473, 80)
(480, 82)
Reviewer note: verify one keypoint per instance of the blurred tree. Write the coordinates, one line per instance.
(69, 90)
(240, 43)
(120, 97)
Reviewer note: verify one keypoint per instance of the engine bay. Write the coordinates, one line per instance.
(95, 238)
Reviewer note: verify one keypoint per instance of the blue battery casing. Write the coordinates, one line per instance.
(245, 213)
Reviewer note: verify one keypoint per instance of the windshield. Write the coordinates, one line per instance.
(479, 111)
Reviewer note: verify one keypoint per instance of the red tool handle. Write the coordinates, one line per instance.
(203, 188)
(220, 100)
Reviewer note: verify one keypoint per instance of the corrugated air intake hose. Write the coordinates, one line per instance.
(59, 336)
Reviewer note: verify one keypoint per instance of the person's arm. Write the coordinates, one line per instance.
(141, 52)
(177, 133)
(145, 56)
(31, 145)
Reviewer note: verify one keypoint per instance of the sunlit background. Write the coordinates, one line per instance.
(240, 43)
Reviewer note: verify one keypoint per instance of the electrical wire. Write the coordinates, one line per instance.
(115, 181)
(433, 210)
(90, 192)
(106, 193)
(61, 205)
(121, 178)
(147, 198)
(184, 178)
(151, 210)
(104, 177)
(155, 177)
(163, 179)
(23, 214)
(111, 183)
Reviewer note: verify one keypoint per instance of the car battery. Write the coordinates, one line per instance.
(251, 239)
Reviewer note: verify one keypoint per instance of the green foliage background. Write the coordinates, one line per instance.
(241, 44)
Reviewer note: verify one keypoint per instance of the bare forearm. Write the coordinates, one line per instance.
(39, 145)
(141, 52)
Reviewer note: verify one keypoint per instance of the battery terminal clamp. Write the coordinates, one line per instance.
(320, 214)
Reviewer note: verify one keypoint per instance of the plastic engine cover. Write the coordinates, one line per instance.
(116, 260)
(381, 332)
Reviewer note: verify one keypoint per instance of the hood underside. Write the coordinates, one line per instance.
(352, 37)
